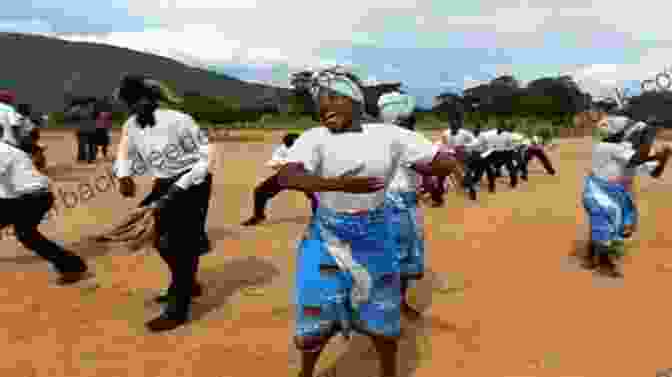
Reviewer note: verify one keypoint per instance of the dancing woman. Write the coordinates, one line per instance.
(348, 274)
(607, 196)
(175, 150)
(397, 109)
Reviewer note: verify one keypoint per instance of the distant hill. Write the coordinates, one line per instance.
(42, 70)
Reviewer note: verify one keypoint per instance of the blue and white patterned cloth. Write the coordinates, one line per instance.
(610, 207)
(407, 216)
(328, 296)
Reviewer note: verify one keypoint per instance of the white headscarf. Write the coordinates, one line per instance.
(395, 106)
(339, 80)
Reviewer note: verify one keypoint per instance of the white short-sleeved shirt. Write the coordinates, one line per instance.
(18, 175)
(174, 145)
(378, 151)
(463, 138)
(610, 160)
(497, 142)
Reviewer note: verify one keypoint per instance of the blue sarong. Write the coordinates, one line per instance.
(610, 207)
(406, 216)
(324, 291)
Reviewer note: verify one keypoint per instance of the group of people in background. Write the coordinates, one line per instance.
(93, 121)
(486, 152)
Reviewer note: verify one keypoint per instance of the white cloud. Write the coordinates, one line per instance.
(602, 79)
(269, 32)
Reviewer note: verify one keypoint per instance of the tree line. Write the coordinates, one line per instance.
(554, 101)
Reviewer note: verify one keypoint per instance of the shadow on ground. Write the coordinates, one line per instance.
(221, 282)
(86, 249)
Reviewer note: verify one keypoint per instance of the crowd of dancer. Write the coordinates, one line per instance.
(364, 245)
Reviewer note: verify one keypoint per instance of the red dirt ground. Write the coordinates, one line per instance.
(504, 297)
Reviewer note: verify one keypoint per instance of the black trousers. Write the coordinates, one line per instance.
(25, 213)
(86, 146)
(268, 189)
(498, 158)
(480, 166)
(518, 158)
(180, 228)
(102, 140)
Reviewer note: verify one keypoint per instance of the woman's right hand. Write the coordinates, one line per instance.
(361, 185)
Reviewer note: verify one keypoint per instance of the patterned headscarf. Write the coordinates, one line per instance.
(340, 81)
(394, 107)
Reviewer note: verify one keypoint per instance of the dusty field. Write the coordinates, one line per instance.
(504, 297)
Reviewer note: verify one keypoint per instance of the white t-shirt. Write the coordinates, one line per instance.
(463, 138)
(610, 160)
(174, 145)
(378, 151)
(18, 175)
(497, 142)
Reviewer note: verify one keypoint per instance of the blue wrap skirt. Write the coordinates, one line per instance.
(323, 292)
(610, 208)
(407, 216)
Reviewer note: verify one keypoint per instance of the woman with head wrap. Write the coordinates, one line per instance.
(25, 196)
(607, 196)
(396, 108)
(270, 187)
(348, 274)
(170, 146)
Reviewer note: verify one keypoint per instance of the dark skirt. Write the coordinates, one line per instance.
(180, 225)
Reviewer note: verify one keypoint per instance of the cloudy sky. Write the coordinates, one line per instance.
(430, 46)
